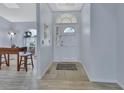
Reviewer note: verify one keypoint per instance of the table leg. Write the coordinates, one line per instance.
(25, 63)
(8, 61)
(0, 61)
(18, 65)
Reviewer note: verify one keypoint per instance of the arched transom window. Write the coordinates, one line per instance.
(66, 18)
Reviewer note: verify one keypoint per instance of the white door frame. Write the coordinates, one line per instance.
(62, 26)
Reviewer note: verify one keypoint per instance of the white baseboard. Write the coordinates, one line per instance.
(103, 80)
(86, 71)
(97, 79)
(120, 84)
(42, 74)
(66, 61)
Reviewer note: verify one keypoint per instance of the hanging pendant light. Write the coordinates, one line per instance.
(27, 34)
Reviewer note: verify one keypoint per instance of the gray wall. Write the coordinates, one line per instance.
(120, 44)
(85, 39)
(44, 51)
(99, 42)
(103, 42)
(4, 29)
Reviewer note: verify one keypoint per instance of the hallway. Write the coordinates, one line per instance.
(72, 79)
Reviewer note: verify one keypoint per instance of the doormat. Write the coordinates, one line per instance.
(61, 66)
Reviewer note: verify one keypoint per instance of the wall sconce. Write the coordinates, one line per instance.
(11, 36)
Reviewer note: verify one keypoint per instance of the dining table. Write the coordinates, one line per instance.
(8, 52)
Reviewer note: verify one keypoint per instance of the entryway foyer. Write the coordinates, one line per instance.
(73, 46)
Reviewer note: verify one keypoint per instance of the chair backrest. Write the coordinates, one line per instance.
(24, 49)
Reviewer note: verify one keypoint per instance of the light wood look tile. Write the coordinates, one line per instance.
(10, 79)
(67, 79)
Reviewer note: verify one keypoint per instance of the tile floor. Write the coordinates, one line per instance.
(54, 79)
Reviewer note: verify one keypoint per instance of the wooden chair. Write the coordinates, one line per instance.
(3, 56)
(24, 56)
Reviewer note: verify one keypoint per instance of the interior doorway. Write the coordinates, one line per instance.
(66, 38)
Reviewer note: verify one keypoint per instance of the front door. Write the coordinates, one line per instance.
(66, 42)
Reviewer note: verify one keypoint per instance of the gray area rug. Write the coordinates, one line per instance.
(61, 66)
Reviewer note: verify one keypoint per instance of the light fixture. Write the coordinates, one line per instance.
(27, 34)
(33, 32)
(11, 36)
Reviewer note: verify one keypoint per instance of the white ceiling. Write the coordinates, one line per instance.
(22, 12)
(26, 12)
(66, 6)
